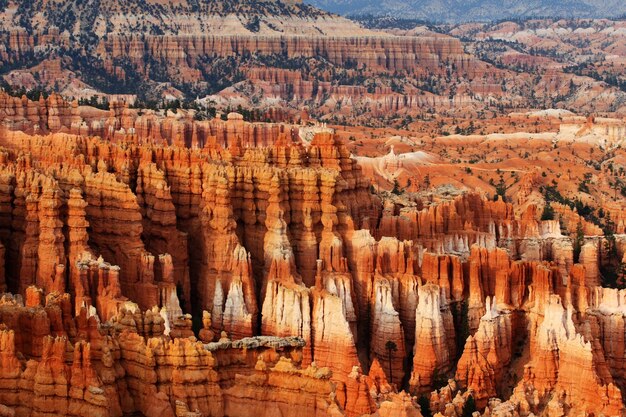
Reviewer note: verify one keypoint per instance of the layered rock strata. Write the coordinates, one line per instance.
(160, 279)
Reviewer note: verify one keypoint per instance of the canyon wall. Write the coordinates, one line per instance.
(252, 269)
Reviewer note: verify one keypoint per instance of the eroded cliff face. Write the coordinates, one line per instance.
(244, 268)
(272, 56)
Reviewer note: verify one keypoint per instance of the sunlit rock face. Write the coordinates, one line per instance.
(258, 271)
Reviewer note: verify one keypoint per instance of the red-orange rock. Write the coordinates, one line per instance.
(486, 355)
(434, 338)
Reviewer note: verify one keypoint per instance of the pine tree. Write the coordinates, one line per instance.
(425, 406)
(548, 212)
(391, 347)
(579, 241)
(469, 407)
(396, 188)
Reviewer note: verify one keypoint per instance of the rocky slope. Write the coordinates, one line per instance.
(580, 47)
(155, 17)
(284, 61)
(164, 266)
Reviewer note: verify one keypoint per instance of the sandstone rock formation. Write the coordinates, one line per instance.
(253, 270)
